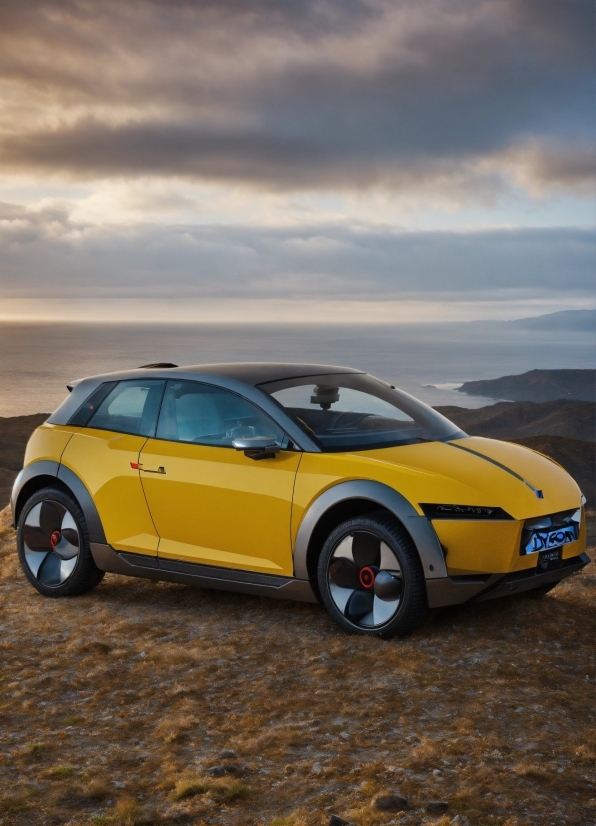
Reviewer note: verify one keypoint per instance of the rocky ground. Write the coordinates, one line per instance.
(157, 703)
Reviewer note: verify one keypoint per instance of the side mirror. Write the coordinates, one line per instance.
(259, 447)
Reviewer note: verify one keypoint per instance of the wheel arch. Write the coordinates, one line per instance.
(356, 498)
(40, 474)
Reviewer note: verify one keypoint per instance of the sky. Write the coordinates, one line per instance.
(313, 160)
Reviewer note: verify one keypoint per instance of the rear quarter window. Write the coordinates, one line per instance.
(130, 407)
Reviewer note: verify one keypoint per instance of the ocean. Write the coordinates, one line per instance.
(427, 360)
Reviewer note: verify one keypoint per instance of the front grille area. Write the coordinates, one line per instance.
(548, 533)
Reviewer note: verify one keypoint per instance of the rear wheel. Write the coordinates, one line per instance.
(53, 545)
(370, 577)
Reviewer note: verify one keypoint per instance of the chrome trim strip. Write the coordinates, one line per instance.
(419, 527)
(205, 576)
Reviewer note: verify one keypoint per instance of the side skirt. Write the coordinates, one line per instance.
(205, 576)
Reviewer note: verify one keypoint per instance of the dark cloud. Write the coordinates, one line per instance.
(46, 253)
(308, 93)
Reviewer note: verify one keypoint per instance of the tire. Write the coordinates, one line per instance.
(355, 583)
(53, 545)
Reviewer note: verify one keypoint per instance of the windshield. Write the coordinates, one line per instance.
(358, 412)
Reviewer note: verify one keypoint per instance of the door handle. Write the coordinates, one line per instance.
(138, 466)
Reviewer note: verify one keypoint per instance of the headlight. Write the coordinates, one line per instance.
(463, 512)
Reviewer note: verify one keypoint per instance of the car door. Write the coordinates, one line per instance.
(210, 503)
(104, 454)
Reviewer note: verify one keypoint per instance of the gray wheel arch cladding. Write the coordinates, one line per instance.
(419, 528)
(70, 480)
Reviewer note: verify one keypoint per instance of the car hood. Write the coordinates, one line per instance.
(479, 471)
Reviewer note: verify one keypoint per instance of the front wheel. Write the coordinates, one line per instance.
(370, 577)
(53, 545)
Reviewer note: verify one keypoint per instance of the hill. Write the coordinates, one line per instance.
(537, 386)
(506, 420)
(577, 457)
(572, 320)
(14, 434)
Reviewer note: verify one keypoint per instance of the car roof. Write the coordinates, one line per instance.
(246, 378)
(262, 372)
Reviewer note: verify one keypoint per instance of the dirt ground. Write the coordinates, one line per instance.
(155, 703)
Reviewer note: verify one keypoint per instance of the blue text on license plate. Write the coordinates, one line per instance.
(549, 539)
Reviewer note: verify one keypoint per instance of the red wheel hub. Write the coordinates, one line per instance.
(55, 538)
(367, 577)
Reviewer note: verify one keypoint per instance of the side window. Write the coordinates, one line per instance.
(90, 405)
(131, 407)
(208, 415)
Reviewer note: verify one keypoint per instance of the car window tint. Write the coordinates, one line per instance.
(204, 414)
(131, 407)
(357, 411)
(90, 405)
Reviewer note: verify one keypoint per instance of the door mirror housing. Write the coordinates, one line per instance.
(259, 447)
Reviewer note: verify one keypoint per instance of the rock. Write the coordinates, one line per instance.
(437, 807)
(316, 768)
(344, 735)
(216, 771)
(336, 820)
(232, 768)
(227, 754)
(391, 803)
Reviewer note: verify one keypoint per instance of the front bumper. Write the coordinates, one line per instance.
(460, 589)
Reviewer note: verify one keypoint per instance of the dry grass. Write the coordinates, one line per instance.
(115, 706)
(220, 791)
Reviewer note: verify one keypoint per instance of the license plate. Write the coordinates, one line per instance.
(550, 538)
(548, 559)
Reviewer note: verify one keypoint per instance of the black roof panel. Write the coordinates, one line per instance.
(259, 372)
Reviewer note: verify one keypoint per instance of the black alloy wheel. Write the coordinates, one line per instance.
(370, 577)
(53, 545)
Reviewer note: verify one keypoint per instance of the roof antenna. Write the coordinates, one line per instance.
(158, 364)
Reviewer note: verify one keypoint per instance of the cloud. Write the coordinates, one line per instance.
(542, 169)
(312, 94)
(44, 252)
(258, 151)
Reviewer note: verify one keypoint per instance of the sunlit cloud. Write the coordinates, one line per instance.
(344, 149)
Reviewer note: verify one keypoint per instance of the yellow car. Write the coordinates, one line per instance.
(300, 481)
